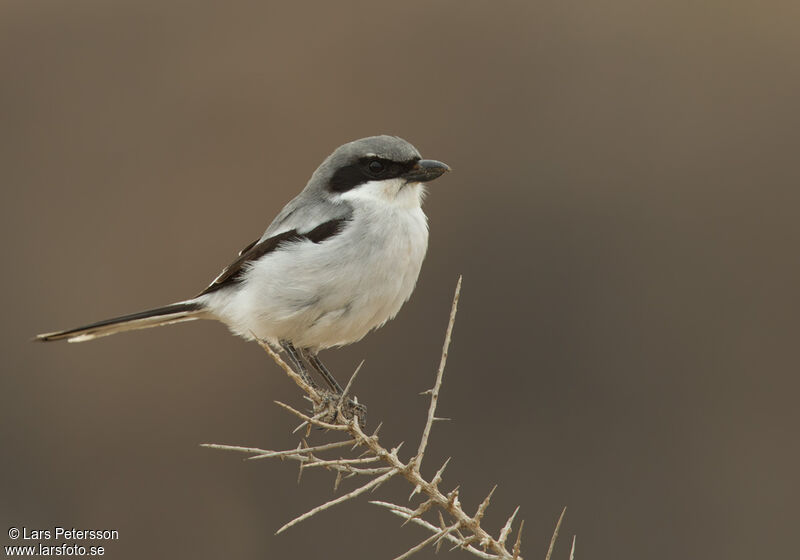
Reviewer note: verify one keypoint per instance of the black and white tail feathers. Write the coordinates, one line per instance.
(173, 313)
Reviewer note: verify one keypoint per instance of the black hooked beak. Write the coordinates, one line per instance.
(426, 170)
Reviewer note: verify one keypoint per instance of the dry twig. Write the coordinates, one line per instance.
(463, 530)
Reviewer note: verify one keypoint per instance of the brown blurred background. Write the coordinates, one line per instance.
(624, 210)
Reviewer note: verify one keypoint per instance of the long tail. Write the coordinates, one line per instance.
(174, 313)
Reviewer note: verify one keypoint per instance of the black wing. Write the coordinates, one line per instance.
(234, 272)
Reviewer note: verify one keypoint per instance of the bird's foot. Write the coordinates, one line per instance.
(336, 411)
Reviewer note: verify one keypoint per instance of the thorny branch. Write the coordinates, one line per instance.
(461, 530)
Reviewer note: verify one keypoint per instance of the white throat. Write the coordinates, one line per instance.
(391, 192)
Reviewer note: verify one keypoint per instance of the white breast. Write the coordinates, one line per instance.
(319, 295)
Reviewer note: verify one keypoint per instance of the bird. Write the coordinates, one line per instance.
(339, 260)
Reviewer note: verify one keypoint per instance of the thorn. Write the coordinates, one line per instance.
(300, 426)
(391, 473)
(343, 396)
(438, 476)
(441, 419)
(337, 481)
(484, 505)
(424, 506)
(465, 542)
(518, 544)
(426, 392)
(507, 529)
(484, 544)
(439, 543)
(555, 534)
(446, 531)
(375, 433)
(418, 547)
(572, 551)
(414, 492)
(452, 497)
(235, 448)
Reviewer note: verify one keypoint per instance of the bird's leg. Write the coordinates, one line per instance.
(351, 408)
(314, 360)
(297, 362)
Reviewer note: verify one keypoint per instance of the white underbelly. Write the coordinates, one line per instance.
(332, 293)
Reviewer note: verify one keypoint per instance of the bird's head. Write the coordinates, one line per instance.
(376, 167)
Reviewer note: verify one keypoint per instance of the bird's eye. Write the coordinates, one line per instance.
(376, 167)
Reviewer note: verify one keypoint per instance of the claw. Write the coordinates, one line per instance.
(333, 411)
